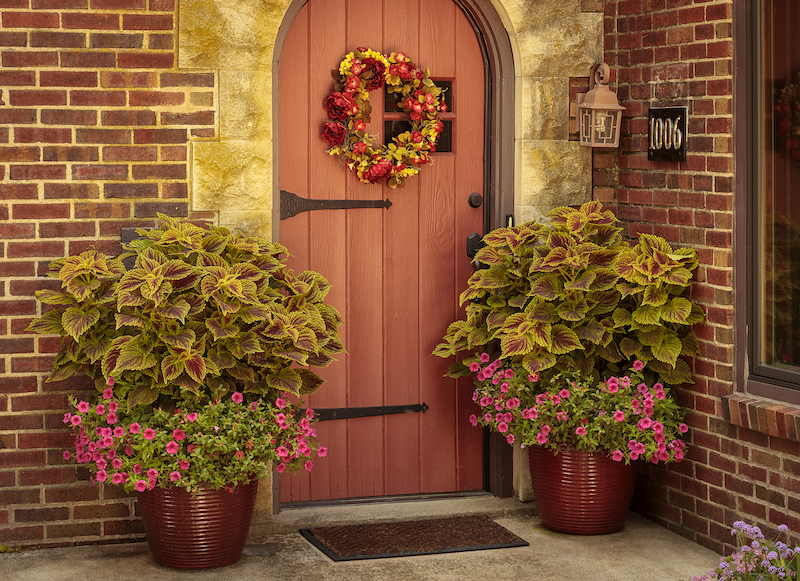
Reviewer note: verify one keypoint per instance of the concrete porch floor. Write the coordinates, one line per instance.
(641, 551)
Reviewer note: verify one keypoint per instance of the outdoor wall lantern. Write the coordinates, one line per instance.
(599, 112)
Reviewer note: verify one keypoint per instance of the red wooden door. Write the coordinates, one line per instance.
(396, 273)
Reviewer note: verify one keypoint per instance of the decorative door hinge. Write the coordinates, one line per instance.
(325, 414)
(292, 204)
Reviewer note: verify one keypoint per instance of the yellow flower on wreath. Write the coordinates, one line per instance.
(349, 109)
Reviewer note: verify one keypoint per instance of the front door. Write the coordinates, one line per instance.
(396, 272)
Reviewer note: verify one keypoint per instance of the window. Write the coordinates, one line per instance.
(768, 167)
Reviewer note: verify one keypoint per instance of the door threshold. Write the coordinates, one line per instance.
(384, 499)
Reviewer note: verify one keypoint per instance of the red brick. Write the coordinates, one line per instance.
(29, 288)
(68, 79)
(75, 493)
(110, 40)
(130, 154)
(110, 247)
(187, 79)
(160, 42)
(126, 79)
(77, 191)
(34, 249)
(102, 136)
(40, 211)
(93, 21)
(150, 209)
(47, 476)
(38, 172)
(119, 4)
(30, 20)
(43, 135)
(18, 78)
(17, 231)
(8, 346)
(57, 4)
(145, 60)
(98, 210)
(33, 98)
(19, 39)
(88, 60)
(48, 39)
(15, 533)
(17, 116)
(143, 117)
(162, 171)
(198, 118)
(14, 422)
(68, 117)
(174, 153)
(66, 229)
(30, 59)
(69, 153)
(175, 190)
(99, 172)
(8, 268)
(20, 154)
(162, 5)
(89, 529)
(92, 98)
(62, 439)
(131, 190)
(159, 136)
(123, 527)
(146, 22)
(19, 458)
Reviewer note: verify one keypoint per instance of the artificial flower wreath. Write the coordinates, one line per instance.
(787, 118)
(360, 72)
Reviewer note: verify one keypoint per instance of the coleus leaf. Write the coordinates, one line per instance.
(647, 315)
(548, 287)
(54, 297)
(669, 349)
(691, 346)
(195, 366)
(654, 296)
(298, 357)
(629, 347)
(142, 395)
(171, 367)
(76, 321)
(176, 269)
(47, 324)
(582, 283)
(570, 311)
(679, 276)
(64, 372)
(564, 340)
(651, 335)
(286, 379)
(310, 381)
(516, 344)
(183, 339)
(221, 327)
(592, 331)
(175, 310)
(537, 361)
(677, 310)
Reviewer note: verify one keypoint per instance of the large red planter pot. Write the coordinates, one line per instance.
(581, 493)
(204, 530)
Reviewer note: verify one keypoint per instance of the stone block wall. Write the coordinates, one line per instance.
(743, 460)
(95, 125)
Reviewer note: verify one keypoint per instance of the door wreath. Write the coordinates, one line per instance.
(365, 70)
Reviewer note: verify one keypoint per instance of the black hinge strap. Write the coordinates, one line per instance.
(325, 414)
(292, 204)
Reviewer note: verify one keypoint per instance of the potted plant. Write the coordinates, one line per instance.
(572, 294)
(195, 352)
(582, 436)
(566, 303)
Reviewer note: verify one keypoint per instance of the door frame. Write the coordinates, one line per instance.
(493, 38)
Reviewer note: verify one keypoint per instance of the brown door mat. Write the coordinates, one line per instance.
(404, 539)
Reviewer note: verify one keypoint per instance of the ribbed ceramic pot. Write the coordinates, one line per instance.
(204, 530)
(581, 493)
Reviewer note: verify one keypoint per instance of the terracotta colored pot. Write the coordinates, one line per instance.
(200, 531)
(581, 493)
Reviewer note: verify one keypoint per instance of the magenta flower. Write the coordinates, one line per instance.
(134, 428)
(137, 468)
(172, 447)
(100, 409)
(184, 464)
(174, 476)
(533, 378)
(67, 417)
(75, 420)
(308, 465)
(322, 451)
(485, 358)
(113, 406)
(190, 448)
(541, 438)
(237, 397)
(116, 463)
(111, 418)
(473, 420)
(83, 407)
(502, 427)
(152, 474)
(580, 430)
(619, 416)
(178, 434)
(564, 393)
(510, 438)
(66, 455)
(474, 367)
(118, 478)
(108, 393)
(149, 433)
(140, 486)
(512, 403)
(101, 463)
(101, 476)
(119, 431)
(280, 468)
(191, 417)
(638, 365)
(617, 455)
(683, 428)
(128, 450)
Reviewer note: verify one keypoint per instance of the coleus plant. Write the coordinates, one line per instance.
(201, 314)
(572, 294)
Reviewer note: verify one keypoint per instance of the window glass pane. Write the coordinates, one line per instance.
(778, 234)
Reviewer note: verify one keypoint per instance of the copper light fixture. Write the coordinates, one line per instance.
(599, 112)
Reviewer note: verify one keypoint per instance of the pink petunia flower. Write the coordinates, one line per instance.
(308, 465)
(510, 438)
(67, 417)
(683, 428)
(66, 455)
(178, 434)
(140, 486)
(111, 418)
(184, 464)
(638, 365)
(473, 420)
(108, 393)
(619, 416)
(119, 431)
(237, 397)
(502, 427)
(101, 476)
(541, 438)
(280, 468)
(113, 406)
(101, 463)
(100, 409)
(83, 407)
(485, 358)
(118, 478)
(191, 417)
(116, 463)
(174, 476)
(322, 451)
(172, 447)
(149, 433)
(191, 448)
(134, 428)
(564, 393)
(152, 474)
(580, 430)
(137, 468)
(474, 367)
(75, 420)
(617, 455)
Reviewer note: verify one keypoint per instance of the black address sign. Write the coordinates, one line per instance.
(666, 134)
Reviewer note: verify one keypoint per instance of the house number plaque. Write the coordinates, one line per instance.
(666, 135)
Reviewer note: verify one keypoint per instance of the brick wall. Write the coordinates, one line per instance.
(95, 121)
(743, 462)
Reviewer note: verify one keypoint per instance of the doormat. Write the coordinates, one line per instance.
(404, 539)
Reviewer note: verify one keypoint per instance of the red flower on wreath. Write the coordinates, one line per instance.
(360, 72)
(334, 133)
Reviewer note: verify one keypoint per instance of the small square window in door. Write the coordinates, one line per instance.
(394, 125)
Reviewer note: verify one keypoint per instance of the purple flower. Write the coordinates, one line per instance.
(172, 447)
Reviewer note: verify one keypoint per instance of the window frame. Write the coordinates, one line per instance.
(752, 378)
